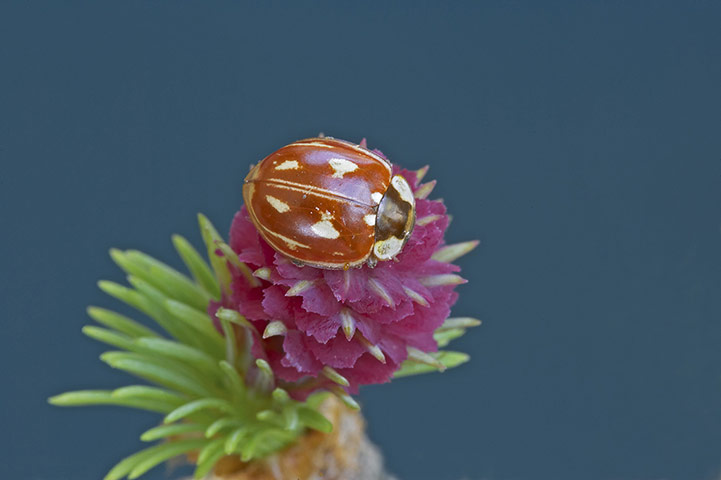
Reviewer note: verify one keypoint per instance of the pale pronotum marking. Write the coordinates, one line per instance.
(403, 189)
(387, 249)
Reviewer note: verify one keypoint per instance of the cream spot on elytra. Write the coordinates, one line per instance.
(325, 228)
(341, 166)
(288, 165)
(377, 197)
(279, 205)
(370, 219)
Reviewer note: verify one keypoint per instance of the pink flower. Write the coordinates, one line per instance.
(360, 322)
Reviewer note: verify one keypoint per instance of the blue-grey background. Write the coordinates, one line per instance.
(579, 141)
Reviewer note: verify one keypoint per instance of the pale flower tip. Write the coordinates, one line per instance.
(459, 322)
(347, 324)
(380, 291)
(449, 253)
(416, 297)
(263, 273)
(299, 287)
(421, 172)
(425, 190)
(376, 351)
(334, 376)
(274, 328)
(373, 349)
(423, 221)
(442, 279)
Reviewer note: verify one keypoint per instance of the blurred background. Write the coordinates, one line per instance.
(579, 141)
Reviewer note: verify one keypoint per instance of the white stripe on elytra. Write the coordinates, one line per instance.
(305, 189)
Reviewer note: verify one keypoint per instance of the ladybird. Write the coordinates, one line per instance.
(329, 203)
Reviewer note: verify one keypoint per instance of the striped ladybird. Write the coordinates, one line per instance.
(328, 203)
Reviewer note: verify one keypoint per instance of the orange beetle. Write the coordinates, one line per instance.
(329, 203)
